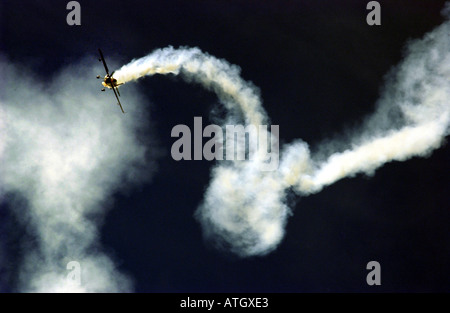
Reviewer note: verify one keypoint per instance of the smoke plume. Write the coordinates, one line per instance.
(244, 208)
(65, 148)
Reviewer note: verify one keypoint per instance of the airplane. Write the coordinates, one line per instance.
(109, 81)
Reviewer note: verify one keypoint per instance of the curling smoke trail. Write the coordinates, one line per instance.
(59, 156)
(218, 75)
(64, 150)
(244, 208)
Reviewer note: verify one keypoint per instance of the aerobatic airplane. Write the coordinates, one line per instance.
(109, 81)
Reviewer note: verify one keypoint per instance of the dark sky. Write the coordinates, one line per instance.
(319, 68)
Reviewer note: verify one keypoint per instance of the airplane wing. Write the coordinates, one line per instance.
(118, 101)
(117, 94)
(103, 60)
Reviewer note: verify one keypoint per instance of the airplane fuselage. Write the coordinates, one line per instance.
(110, 82)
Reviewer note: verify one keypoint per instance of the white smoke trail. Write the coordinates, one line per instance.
(218, 75)
(59, 151)
(244, 208)
(416, 105)
(65, 149)
(233, 206)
